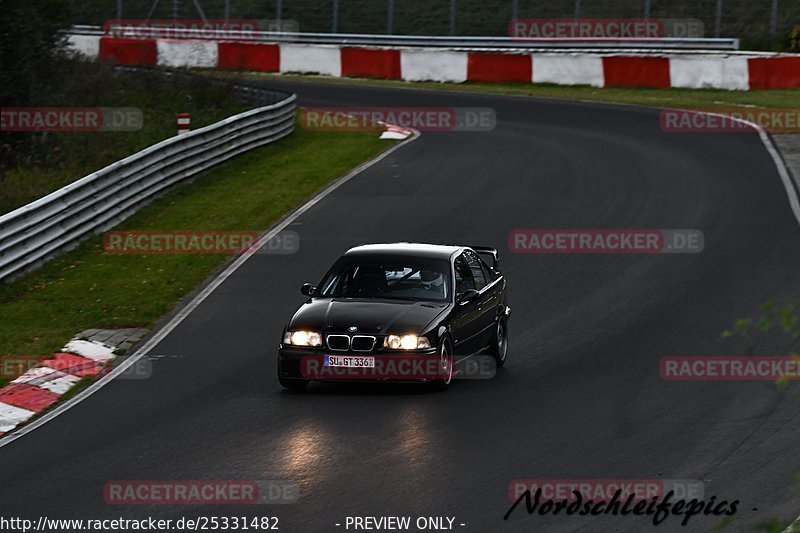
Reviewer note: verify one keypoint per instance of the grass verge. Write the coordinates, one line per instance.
(88, 288)
(680, 98)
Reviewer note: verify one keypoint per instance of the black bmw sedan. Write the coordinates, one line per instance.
(398, 312)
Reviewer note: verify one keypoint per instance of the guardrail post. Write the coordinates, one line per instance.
(335, 23)
(718, 19)
(773, 19)
(452, 17)
(390, 17)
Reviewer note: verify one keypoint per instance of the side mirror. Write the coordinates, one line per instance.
(467, 296)
(307, 289)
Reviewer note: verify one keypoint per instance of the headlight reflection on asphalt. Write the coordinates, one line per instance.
(305, 450)
(415, 437)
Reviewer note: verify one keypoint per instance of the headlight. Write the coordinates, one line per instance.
(406, 342)
(302, 338)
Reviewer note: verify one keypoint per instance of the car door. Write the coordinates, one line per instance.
(465, 317)
(487, 301)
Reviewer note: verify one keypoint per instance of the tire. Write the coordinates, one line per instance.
(446, 358)
(500, 343)
(293, 384)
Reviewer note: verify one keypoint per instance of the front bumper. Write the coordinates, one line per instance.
(407, 366)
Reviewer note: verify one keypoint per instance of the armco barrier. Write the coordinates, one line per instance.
(59, 221)
(427, 41)
(631, 68)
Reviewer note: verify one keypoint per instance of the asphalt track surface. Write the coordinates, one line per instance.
(581, 396)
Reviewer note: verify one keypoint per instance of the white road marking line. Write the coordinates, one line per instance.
(774, 153)
(794, 527)
(205, 293)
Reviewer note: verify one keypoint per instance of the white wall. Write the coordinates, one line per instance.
(433, 65)
(709, 72)
(87, 46)
(317, 59)
(187, 53)
(568, 69)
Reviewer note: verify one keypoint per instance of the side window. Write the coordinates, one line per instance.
(477, 272)
(464, 279)
(487, 272)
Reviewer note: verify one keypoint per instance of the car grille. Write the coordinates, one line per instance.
(356, 343)
(362, 343)
(339, 342)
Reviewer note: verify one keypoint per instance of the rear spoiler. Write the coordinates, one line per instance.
(488, 252)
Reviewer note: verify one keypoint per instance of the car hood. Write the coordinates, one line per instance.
(370, 316)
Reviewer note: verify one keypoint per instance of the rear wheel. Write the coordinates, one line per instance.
(445, 365)
(500, 344)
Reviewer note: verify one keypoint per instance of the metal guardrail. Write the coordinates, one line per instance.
(430, 41)
(36, 232)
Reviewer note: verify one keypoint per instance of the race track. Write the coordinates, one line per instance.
(581, 396)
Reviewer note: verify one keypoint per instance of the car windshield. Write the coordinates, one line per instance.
(404, 279)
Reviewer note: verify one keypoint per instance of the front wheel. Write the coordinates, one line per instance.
(445, 365)
(500, 344)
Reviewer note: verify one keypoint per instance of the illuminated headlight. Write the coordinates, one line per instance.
(406, 342)
(302, 338)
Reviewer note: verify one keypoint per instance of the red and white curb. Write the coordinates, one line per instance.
(42, 386)
(662, 69)
(396, 133)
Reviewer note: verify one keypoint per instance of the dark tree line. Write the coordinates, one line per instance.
(31, 52)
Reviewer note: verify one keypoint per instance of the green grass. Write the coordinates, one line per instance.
(680, 98)
(88, 288)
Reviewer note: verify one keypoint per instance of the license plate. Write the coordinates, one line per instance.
(350, 361)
